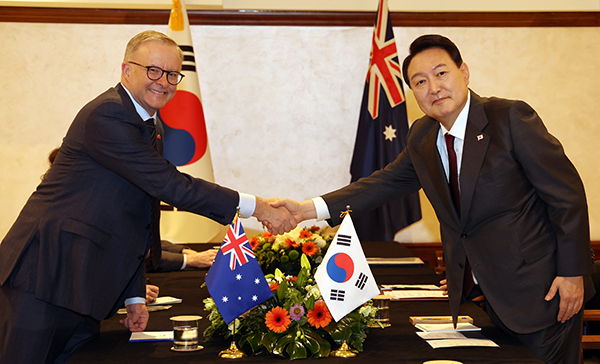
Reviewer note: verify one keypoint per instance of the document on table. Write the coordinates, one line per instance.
(151, 336)
(166, 300)
(453, 339)
(461, 326)
(409, 286)
(395, 261)
(415, 294)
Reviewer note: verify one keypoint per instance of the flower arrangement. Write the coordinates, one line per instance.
(284, 251)
(295, 323)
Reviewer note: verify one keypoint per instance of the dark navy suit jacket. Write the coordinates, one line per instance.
(524, 216)
(91, 214)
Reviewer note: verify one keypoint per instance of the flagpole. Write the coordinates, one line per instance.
(232, 352)
(344, 351)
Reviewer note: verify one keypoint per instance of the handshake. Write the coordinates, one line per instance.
(283, 215)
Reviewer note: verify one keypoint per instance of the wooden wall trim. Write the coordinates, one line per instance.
(300, 18)
(427, 251)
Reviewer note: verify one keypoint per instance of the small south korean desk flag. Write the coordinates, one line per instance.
(344, 277)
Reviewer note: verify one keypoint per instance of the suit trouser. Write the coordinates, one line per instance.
(33, 331)
(557, 344)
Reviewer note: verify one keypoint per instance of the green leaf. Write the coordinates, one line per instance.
(302, 278)
(324, 345)
(310, 302)
(311, 344)
(282, 343)
(282, 290)
(269, 340)
(296, 350)
(279, 273)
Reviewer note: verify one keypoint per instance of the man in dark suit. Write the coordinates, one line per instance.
(177, 257)
(511, 206)
(76, 252)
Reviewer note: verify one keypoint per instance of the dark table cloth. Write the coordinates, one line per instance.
(395, 344)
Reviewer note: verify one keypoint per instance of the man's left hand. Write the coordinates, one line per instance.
(137, 317)
(570, 290)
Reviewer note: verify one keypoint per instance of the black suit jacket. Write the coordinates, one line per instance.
(524, 217)
(92, 212)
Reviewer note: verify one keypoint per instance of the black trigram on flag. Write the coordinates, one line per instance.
(361, 281)
(337, 295)
(189, 61)
(344, 239)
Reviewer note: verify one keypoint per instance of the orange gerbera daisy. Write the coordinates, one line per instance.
(274, 286)
(309, 248)
(254, 241)
(319, 316)
(291, 243)
(305, 234)
(278, 319)
(266, 235)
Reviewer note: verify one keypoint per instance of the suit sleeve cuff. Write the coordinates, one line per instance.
(184, 262)
(322, 209)
(134, 300)
(247, 204)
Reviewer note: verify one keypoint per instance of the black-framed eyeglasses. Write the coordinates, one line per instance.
(155, 73)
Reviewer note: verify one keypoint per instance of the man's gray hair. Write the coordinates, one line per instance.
(149, 36)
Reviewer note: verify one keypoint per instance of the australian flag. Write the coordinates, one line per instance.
(381, 136)
(235, 280)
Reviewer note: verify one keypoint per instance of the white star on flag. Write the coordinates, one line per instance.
(390, 133)
(344, 276)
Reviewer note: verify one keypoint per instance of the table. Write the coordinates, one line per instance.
(397, 343)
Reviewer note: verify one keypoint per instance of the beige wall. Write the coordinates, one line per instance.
(282, 103)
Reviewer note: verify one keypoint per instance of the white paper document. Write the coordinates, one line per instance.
(151, 336)
(395, 261)
(412, 294)
(410, 286)
(428, 335)
(447, 327)
(166, 300)
(453, 343)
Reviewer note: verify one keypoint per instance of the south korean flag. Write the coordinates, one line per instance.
(344, 276)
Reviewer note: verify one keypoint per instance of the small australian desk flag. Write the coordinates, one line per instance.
(235, 280)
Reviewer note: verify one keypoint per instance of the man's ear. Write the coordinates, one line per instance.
(464, 69)
(126, 70)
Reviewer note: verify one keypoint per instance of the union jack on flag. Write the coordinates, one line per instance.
(384, 70)
(381, 135)
(236, 245)
(236, 283)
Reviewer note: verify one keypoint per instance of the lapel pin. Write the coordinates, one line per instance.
(158, 136)
(479, 137)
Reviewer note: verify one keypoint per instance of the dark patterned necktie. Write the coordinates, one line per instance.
(468, 282)
(155, 249)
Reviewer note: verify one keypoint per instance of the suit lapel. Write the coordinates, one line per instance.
(128, 104)
(474, 149)
(435, 170)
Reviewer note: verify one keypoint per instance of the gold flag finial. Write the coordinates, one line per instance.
(344, 213)
(176, 18)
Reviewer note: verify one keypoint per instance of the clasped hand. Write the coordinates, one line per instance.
(281, 216)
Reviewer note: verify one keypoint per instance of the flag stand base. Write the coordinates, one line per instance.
(344, 351)
(232, 353)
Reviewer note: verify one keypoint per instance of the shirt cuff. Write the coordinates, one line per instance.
(133, 300)
(247, 204)
(184, 262)
(322, 209)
